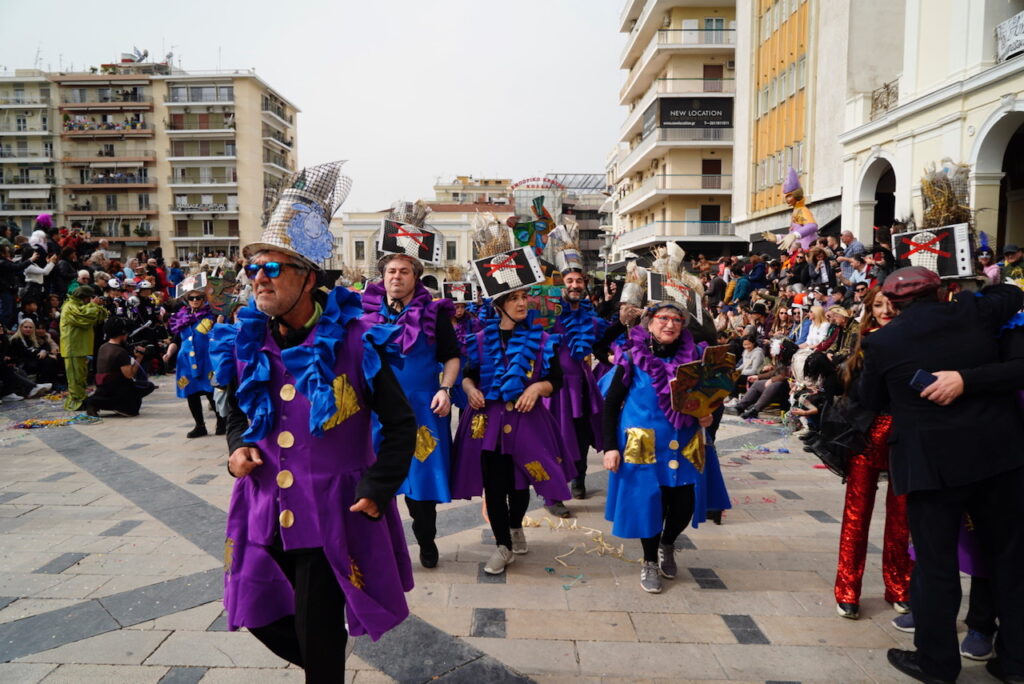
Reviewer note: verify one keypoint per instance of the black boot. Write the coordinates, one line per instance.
(222, 427)
(195, 407)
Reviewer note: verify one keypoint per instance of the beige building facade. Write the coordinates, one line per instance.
(144, 154)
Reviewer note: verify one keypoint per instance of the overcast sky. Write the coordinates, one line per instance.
(407, 90)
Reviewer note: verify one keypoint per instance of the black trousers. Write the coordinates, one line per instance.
(996, 506)
(982, 611)
(676, 511)
(506, 505)
(314, 637)
(424, 520)
(584, 438)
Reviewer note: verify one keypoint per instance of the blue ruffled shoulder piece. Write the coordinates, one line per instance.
(580, 329)
(222, 353)
(550, 349)
(253, 392)
(1016, 322)
(380, 339)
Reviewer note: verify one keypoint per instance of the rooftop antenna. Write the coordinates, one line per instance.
(39, 57)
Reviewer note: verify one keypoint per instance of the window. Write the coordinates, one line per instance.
(207, 227)
(107, 150)
(178, 94)
(229, 149)
(143, 202)
(227, 93)
(111, 202)
(451, 250)
(791, 73)
(47, 149)
(202, 94)
(103, 94)
(360, 247)
(21, 123)
(51, 177)
(801, 67)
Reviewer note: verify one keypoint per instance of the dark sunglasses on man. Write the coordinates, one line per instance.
(271, 268)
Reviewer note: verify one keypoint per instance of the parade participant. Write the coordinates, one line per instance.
(964, 457)
(577, 405)
(430, 350)
(191, 325)
(506, 440)
(986, 261)
(803, 229)
(464, 320)
(314, 538)
(863, 471)
(660, 477)
(82, 312)
(116, 373)
(1011, 269)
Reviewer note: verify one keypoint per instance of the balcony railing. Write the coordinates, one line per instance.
(218, 152)
(28, 206)
(203, 208)
(277, 110)
(116, 98)
(673, 135)
(695, 85)
(117, 178)
(145, 155)
(21, 180)
(73, 126)
(99, 208)
(885, 98)
(218, 97)
(16, 129)
(202, 180)
(696, 36)
(279, 137)
(696, 182)
(216, 125)
(24, 154)
(677, 229)
(23, 100)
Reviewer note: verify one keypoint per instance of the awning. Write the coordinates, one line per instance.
(116, 165)
(28, 194)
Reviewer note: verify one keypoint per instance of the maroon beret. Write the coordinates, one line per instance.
(910, 282)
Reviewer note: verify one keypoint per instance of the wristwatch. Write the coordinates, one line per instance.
(446, 389)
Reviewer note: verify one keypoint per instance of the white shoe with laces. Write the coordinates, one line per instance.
(499, 560)
(13, 397)
(39, 389)
(519, 546)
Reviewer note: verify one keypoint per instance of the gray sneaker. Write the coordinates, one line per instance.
(650, 581)
(667, 561)
(558, 510)
(518, 541)
(499, 560)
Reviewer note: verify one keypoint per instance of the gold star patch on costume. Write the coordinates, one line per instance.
(537, 472)
(182, 382)
(204, 326)
(355, 575)
(478, 426)
(425, 444)
(345, 402)
(694, 451)
(229, 554)
(639, 446)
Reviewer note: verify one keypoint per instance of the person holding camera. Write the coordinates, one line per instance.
(82, 312)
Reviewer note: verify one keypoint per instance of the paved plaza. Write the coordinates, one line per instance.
(112, 545)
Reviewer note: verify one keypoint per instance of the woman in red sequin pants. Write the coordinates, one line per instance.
(861, 487)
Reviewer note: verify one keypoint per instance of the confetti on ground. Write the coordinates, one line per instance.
(601, 548)
(39, 423)
(56, 396)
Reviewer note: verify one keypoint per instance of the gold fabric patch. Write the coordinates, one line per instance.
(204, 326)
(639, 446)
(285, 479)
(694, 451)
(478, 426)
(345, 402)
(287, 518)
(355, 575)
(210, 376)
(182, 382)
(537, 472)
(287, 392)
(425, 444)
(229, 554)
(285, 439)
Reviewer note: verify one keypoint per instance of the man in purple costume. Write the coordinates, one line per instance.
(314, 538)
(577, 405)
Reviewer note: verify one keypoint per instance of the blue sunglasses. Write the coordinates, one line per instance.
(271, 268)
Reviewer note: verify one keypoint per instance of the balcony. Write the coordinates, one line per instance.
(196, 154)
(673, 86)
(278, 139)
(26, 208)
(277, 162)
(657, 187)
(202, 208)
(668, 42)
(660, 231)
(88, 210)
(277, 112)
(20, 101)
(884, 98)
(202, 181)
(95, 129)
(111, 159)
(109, 181)
(15, 129)
(23, 156)
(216, 127)
(668, 138)
(21, 182)
(117, 101)
(199, 98)
(125, 233)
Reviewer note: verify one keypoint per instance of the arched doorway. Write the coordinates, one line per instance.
(876, 199)
(429, 281)
(1011, 189)
(997, 180)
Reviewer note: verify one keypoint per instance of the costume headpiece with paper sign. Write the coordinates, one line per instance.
(298, 220)
(405, 232)
(565, 241)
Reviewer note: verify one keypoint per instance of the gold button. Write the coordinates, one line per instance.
(673, 445)
(673, 464)
(191, 353)
(508, 429)
(509, 406)
(287, 518)
(285, 439)
(288, 392)
(285, 479)
(194, 366)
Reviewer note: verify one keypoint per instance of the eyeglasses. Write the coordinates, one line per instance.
(271, 268)
(196, 298)
(669, 320)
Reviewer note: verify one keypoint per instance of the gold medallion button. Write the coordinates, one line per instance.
(191, 353)
(673, 445)
(288, 392)
(673, 464)
(509, 406)
(507, 429)
(287, 518)
(285, 439)
(285, 479)
(194, 366)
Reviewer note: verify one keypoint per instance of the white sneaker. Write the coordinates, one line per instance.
(39, 389)
(13, 397)
(519, 541)
(730, 403)
(499, 560)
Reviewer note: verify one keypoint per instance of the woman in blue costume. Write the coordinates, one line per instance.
(663, 475)
(506, 440)
(191, 326)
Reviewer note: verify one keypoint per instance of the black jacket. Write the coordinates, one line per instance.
(980, 434)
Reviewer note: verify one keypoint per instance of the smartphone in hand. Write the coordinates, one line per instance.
(921, 380)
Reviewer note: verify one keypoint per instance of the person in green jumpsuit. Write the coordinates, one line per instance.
(81, 313)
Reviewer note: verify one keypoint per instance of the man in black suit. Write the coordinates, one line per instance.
(964, 457)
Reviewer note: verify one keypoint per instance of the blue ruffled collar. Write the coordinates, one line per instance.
(504, 372)
(579, 332)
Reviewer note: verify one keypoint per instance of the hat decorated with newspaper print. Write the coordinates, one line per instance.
(298, 216)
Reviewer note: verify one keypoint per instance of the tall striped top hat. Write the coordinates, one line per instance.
(298, 216)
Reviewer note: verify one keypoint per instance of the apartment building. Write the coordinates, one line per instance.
(144, 154)
(469, 190)
(28, 172)
(672, 171)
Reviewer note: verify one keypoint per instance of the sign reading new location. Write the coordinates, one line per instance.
(696, 112)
